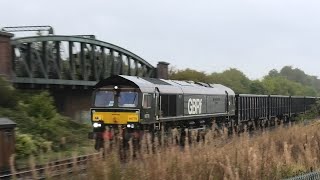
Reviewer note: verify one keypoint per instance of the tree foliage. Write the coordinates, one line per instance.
(283, 86)
(40, 127)
(232, 78)
(7, 94)
(189, 74)
(258, 87)
(288, 81)
(297, 75)
(311, 84)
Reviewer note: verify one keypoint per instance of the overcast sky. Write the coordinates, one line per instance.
(253, 36)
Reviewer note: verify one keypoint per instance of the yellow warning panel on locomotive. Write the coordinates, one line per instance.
(133, 118)
(115, 117)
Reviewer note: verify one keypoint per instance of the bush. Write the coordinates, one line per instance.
(27, 144)
(41, 128)
(41, 106)
(7, 94)
(313, 113)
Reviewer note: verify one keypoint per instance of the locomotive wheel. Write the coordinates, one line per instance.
(230, 127)
(99, 144)
(182, 137)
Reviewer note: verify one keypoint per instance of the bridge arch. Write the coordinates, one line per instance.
(72, 60)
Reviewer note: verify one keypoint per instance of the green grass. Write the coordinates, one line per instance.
(43, 158)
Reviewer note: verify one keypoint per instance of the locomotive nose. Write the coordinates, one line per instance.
(115, 116)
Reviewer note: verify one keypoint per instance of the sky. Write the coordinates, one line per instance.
(253, 36)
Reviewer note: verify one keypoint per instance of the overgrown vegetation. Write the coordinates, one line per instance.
(277, 154)
(287, 81)
(40, 127)
(311, 114)
(281, 153)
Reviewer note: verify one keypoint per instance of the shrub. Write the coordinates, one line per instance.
(313, 113)
(7, 94)
(41, 128)
(27, 145)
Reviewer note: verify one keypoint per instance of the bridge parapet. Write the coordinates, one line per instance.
(72, 60)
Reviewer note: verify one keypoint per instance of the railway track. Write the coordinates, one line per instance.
(53, 169)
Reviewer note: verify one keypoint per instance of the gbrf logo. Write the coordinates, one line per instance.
(194, 106)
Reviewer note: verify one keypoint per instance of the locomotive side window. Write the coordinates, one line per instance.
(147, 101)
(164, 106)
(104, 99)
(168, 105)
(232, 100)
(172, 105)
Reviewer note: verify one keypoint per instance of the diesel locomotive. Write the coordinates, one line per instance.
(139, 103)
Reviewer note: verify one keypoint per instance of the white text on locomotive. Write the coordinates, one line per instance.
(194, 106)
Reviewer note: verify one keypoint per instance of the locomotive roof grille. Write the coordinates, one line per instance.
(182, 83)
(203, 84)
(155, 81)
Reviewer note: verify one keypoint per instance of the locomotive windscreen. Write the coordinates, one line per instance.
(104, 99)
(119, 98)
(128, 99)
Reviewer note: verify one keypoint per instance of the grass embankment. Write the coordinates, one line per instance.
(276, 154)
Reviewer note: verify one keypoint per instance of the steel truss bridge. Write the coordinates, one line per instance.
(71, 60)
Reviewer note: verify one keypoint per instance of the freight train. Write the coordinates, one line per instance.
(139, 103)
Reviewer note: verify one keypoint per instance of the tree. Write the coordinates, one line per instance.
(232, 78)
(283, 86)
(311, 84)
(7, 94)
(288, 81)
(189, 74)
(295, 75)
(257, 87)
(41, 106)
(273, 73)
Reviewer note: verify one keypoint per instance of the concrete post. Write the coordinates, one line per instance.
(5, 55)
(162, 70)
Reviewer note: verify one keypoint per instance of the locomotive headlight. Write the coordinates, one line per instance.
(116, 87)
(130, 125)
(96, 125)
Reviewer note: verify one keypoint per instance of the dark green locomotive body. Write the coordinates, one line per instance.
(156, 100)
